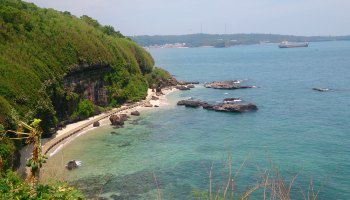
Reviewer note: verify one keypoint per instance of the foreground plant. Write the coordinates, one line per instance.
(269, 185)
(32, 136)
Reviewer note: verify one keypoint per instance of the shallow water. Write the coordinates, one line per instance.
(299, 129)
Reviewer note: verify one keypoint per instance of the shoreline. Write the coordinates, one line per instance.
(50, 146)
(76, 129)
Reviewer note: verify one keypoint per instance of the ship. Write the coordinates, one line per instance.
(286, 44)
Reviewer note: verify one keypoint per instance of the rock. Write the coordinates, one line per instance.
(96, 124)
(190, 86)
(154, 98)
(124, 117)
(73, 164)
(224, 107)
(159, 90)
(232, 100)
(229, 85)
(148, 104)
(227, 107)
(124, 144)
(192, 103)
(135, 113)
(114, 133)
(322, 89)
(118, 120)
(188, 83)
(182, 87)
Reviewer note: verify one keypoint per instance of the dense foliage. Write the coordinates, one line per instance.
(13, 187)
(39, 47)
(222, 40)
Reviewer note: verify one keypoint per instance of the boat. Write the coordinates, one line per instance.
(286, 44)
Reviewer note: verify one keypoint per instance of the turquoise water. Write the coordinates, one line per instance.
(298, 129)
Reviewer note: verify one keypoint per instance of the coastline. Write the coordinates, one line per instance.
(80, 127)
(50, 146)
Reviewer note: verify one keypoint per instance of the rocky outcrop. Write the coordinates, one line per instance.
(223, 107)
(118, 120)
(228, 85)
(135, 113)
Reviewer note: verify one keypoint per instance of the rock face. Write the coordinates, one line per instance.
(228, 85)
(118, 120)
(135, 113)
(88, 82)
(224, 107)
(96, 124)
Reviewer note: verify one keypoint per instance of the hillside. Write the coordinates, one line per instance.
(61, 68)
(225, 40)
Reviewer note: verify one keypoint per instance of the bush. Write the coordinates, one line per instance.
(85, 109)
(7, 151)
(13, 187)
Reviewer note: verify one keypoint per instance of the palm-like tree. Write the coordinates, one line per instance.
(32, 135)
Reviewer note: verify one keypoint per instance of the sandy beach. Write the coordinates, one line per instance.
(51, 146)
(84, 126)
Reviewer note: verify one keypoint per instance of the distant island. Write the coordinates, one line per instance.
(224, 40)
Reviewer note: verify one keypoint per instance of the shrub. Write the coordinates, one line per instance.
(85, 109)
(13, 187)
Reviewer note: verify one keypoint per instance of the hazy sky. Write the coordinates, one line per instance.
(150, 17)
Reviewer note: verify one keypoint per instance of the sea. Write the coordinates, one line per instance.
(297, 135)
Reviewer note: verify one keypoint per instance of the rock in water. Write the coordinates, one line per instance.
(192, 103)
(118, 120)
(322, 89)
(229, 85)
(224, 107)
(96, 124)
(227, 107)
(73, 164)
(182, 87)
(135, 113)
(232, 100)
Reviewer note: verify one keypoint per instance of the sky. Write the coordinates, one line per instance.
(175, 17)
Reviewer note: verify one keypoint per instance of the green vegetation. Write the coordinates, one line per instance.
(224, 40)
(13, 187)
(85, 109)
(39, 47)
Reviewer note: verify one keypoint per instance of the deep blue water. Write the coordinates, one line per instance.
(298, 129)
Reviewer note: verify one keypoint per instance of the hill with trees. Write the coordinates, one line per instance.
(226, 40)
